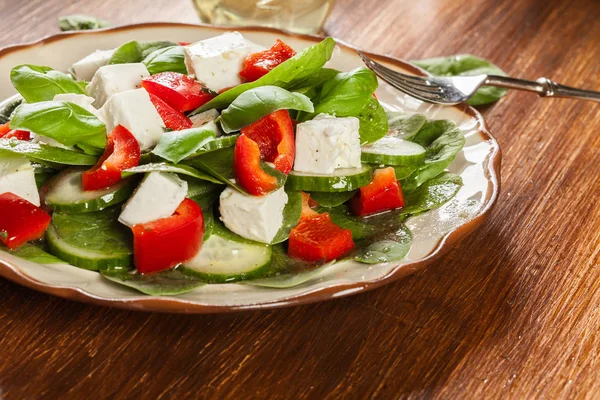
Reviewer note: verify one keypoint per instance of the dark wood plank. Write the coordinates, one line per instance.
(511, 312)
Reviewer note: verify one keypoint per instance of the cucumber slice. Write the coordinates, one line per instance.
(221, 142)
(66, 194)
(90, 240)
(392, 150)
(342, 180)
(223, 260)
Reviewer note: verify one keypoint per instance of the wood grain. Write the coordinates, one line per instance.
(512, 312)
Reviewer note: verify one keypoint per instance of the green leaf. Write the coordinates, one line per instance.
(167, 167)
(135, 52)
(170, 58)
(174, 146)
(405, 125)
(65, 122)
(432, 194)
(259, 102)
(44, 153)
(32, 253)
(218, 164)
(391, 246)
(359, 227)
(347, 93)
(331, 199)
(80, 22)
(291, 216)
(171, 282)
(42, 173)
(373, 122)
(309, 85)
(466, 65)
(442, 141)
(38, 83)
(200, 188)
(304, 64)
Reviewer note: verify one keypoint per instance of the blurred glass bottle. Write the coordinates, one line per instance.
(303, 16)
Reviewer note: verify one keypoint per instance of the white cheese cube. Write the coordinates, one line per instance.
(80, 99)
(85, 68)
(207, 119)
(158, 196)
(115, 78)
(17, 176)
(217, 61)
(256, 218)
(134, 110)
(327, 143)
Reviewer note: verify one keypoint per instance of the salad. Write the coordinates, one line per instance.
(166, 166)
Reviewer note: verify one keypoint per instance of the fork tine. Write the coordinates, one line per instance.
(415, 86)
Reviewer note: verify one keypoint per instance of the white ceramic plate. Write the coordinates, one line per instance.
(434, 232)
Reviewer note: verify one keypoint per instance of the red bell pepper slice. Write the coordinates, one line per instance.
(382, 194)
(20, 220)
(122, 151)
(167, 242)
(275, 137)
(172, 118)
(179, 91)
(248, 171)
(257, 65)
(316, 238)
(7, 133)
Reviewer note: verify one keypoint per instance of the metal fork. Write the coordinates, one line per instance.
(457, 89)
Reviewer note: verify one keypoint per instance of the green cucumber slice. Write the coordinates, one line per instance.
(221, 142)
(342, 180)
(223, 260)
(91, 240)
(391, 150)
(66, 194)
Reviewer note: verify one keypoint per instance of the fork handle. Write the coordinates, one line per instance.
(544, 87)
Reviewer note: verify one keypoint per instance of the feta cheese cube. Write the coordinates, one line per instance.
(327, 143)
(134, 110)
(80, 99)
(85, 68)
(17, 176)
(217, 61)
(256, 218)
(158, 196)
(207, 119)
(115, 78)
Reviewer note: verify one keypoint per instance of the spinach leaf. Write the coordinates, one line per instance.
(291, 216)
(42, 173)
(342, 216)
(286, 74)
(80, 22)
(466, 65)
(170, 58)
(391, 246)
(167, 167)
(310, 85)
(405, 125)
(218, 164)
(32, 253)
(287, 279)
(373, 122)
(442, 141)
(135, 52)
(164, 283)
(331, 199)
(62, 121)
(38, 83)
(44, 153)
(432, 194)
(174, 146)
(200, 188)
(259, 102)
(346, 94)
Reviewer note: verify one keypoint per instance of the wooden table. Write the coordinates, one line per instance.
(512, 312)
